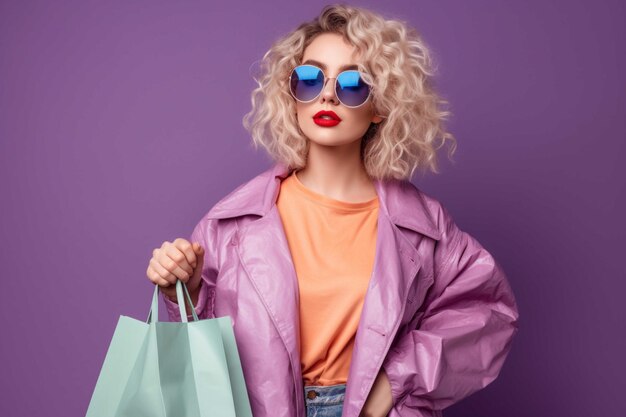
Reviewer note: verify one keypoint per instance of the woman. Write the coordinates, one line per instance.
(352, 293)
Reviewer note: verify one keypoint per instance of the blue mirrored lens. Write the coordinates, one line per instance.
(351, 89)
(306, 82)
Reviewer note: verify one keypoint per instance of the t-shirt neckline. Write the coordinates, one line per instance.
(332, 202)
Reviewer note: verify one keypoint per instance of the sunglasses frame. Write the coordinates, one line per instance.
(326, 79)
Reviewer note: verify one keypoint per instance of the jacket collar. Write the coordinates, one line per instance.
(404, 204)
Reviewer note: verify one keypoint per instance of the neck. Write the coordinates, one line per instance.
(337, 172)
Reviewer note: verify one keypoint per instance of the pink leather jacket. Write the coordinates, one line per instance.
(438, 316)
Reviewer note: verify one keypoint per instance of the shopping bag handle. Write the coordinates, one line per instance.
(180, 288)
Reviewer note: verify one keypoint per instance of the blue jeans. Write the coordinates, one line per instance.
(324, 401)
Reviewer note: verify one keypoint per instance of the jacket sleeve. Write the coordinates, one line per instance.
(469, 320)
(205, 233)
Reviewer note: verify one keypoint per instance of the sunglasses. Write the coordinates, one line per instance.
(306, 83)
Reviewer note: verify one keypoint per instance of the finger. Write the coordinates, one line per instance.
(162, 272)
(187, 249)
(179, 258)
(173, 268)
(156, 278)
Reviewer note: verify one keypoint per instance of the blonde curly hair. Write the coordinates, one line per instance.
(395, 62)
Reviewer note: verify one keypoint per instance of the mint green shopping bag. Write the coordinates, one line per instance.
(166, 369)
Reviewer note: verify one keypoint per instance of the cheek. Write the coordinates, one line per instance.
(301, 112)
(363, 117)
(300, 118)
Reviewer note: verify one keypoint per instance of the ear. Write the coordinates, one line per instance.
(377, 119)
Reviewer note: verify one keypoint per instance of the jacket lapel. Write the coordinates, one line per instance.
(265, 255)
(396, 265)
(266, 258)
(382, 309)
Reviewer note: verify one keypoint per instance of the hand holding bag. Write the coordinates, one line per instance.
(186, 369)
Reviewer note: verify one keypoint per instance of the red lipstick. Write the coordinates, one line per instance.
(330, 120)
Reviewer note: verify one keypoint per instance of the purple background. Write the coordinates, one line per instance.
(120, 126)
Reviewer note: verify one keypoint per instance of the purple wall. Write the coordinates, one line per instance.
(120, 126)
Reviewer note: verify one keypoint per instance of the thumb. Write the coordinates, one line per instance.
(199, 251)
(197, 248)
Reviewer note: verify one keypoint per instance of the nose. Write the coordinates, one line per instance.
(328, 92)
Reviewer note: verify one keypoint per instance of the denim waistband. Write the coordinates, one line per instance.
(324, 394)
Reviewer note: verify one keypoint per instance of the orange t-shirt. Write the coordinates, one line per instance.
(332, 244)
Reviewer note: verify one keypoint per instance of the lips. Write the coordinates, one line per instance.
(329, 113)
(330, 119)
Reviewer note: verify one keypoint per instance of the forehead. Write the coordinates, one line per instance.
(331, 50)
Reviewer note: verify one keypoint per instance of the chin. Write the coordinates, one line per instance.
(330, 136)
(328, 141)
